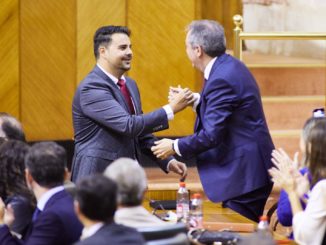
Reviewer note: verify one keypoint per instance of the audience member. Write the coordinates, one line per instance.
(13, 188)
(95, 204)
(54, 221)
(10, 127)
(132, 184)
(284, 212)
(308, 225)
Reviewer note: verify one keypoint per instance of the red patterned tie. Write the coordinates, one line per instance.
(126, 94)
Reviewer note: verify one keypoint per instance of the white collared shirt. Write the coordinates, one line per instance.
(167, 108)
(91, 230)
(47, 195)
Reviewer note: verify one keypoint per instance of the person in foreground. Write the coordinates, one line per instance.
(231, 143)
(54, 221)
(308, 225)
(95, 204)
(131, 180)
(107, 113)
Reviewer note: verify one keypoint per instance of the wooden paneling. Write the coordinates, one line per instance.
(223, 12)
(9, 57)
(48, 74)
(92, 14)
(159, 57)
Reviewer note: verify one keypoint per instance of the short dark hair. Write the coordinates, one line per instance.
(11, 127)
(46, 162)
(103, 36)
(96, 196)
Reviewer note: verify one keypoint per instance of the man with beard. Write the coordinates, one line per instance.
(107, 115)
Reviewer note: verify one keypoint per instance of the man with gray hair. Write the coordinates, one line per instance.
(131, 180)
(232, 144)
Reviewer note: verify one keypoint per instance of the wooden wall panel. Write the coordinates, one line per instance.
(159, 57)
(48, 73)
(9, 57)
(92, 14)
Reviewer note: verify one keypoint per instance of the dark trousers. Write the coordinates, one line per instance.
(251, 204)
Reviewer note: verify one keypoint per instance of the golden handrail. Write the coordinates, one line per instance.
(239, 36)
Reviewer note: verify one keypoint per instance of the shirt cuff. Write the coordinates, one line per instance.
(196, 102)
(169, 112)
(176, 147)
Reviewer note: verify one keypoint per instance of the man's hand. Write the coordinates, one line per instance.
(6, 214)
(178, 168)
(180, 98)
(163, 148)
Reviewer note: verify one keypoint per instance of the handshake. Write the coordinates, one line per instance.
(179, 98)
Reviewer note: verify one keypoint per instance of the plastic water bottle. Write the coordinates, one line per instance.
(263, 225)
(196, 214)
(263, 228)
(183, 203)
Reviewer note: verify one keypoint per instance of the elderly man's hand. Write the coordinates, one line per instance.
(163, 148)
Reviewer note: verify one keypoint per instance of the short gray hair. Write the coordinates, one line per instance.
(209, 35)
(130, 178)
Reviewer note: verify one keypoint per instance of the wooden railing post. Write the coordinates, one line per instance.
(237, 42)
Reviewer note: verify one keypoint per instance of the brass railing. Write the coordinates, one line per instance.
(239, 36)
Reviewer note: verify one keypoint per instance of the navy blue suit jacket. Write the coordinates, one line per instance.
(56, 225)
(114, 234)
(231, 143)
(104, 128)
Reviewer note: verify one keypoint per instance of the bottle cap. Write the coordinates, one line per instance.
(263, 218)
(196, 195)
(182, 184)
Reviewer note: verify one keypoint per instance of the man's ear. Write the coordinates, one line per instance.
(198, 51)
(77, 207)
(29, 178)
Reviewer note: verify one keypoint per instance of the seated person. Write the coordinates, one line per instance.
(13, 188)
(95, 204)
(308, 225)
(284, 212)
(131, 180)
(54, 220)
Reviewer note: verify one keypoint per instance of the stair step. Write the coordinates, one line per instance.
(290, 81)
(290, 112)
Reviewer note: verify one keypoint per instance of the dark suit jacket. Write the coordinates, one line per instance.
(114, 234)
(232, 143)
(56, 225)
(104, 128)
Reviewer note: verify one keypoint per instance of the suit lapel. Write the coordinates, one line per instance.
(117, 93)
(217, 62)
(133, 96)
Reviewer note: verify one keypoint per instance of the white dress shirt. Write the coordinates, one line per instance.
(309, 225)
(91, 230)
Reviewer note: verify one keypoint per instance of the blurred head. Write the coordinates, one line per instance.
(10, 127)
(131, 180)
(95, 198)
(12, 168)
(207, 35)
(318, 115)
(315, 151)
(112, 46)
(46, 164)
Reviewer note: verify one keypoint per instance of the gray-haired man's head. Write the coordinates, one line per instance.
(131, 180)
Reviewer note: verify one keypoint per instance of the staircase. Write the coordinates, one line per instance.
(291, 88)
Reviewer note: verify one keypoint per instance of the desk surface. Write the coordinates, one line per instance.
(218, 218)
